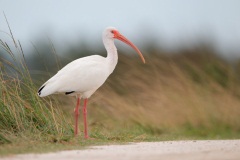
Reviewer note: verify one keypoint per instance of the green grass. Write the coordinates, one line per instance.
(183, 96)
(123, 136)
(22, 112)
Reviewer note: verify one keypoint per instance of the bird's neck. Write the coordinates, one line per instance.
(112, 55)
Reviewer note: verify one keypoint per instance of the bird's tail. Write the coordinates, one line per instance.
(47, 89)
(40, 90)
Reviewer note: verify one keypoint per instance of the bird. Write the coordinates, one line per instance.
(83, 76)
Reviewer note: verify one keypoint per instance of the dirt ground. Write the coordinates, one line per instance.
(169, 150)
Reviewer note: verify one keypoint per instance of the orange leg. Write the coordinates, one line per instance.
(76, 116)
(85, 118)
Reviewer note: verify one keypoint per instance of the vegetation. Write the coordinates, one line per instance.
(191, 94)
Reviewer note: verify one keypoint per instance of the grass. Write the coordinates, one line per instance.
(189, 95)
(23, 115)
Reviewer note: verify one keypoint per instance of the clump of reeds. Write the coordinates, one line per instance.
(22, 113)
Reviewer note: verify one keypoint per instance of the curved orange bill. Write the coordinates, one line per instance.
(120, 37)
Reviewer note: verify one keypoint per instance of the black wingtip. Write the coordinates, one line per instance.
(67, 93)
(39, 91)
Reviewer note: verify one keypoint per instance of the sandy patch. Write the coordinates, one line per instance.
(170, 150)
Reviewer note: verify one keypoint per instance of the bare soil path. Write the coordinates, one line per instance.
(169, 150)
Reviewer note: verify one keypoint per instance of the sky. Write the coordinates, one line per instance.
(170, 23)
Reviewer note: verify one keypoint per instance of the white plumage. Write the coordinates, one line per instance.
(83, 76)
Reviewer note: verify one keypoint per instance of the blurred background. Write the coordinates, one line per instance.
(189, 85)
(167, 24)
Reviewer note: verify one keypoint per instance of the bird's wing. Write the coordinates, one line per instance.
(80, 75)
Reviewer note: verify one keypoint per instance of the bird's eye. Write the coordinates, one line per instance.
(112, 31)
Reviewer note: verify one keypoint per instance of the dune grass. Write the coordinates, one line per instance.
(23, 115)
(172, 95)
(190, 95)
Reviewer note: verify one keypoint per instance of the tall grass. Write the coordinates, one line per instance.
(23, 115)
(194, 94)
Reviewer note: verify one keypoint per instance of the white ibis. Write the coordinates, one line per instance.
(83, 76)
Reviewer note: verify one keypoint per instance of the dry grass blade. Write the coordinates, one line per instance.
(10, 31)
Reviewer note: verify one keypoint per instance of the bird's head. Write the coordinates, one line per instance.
(113, 33)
